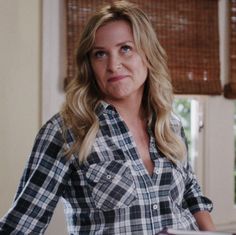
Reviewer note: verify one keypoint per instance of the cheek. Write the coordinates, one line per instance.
(97, 72)
(144, 69)
(94, 68)
(99, 68)
(141, 69)
(99, 78)
(138, 63)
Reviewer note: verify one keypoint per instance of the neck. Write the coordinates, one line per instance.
(130, 109)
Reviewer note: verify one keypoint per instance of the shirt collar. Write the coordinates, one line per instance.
(103, 106)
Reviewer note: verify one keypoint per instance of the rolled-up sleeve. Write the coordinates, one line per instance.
(193, 196)
(41, 185)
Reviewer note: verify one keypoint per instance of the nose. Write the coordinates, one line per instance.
(114, 63)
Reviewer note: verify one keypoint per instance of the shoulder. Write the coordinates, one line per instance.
(56, 130)
(53, 140)
(55, 123)
(52, 130)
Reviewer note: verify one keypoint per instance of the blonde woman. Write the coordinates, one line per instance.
(115, 153)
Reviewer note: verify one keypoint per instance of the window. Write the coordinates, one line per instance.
(182, 28)
(208, 126)
(189, 110)
(182, 107)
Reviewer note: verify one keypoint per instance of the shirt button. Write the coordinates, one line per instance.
(157, 171)
(155, 207)
(108, 177)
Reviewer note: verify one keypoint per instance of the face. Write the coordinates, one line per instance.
(119, 70)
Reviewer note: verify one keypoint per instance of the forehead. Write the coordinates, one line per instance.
(113, 32)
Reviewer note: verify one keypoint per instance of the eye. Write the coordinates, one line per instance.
(126, 48)
(99, 54)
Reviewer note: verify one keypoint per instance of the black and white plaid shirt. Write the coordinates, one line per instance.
(111, 193)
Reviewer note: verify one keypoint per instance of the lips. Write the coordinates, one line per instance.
(116, 78)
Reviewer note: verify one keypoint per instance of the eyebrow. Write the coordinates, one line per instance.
(118, 44)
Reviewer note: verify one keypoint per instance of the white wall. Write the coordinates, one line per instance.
(219, 160)
(21, 47)
(53, 74)
(20, 74)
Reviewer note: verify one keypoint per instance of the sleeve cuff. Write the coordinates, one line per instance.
(200, 203)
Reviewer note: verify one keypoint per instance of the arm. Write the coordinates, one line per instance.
(199, 205)
(204, 221)
(41, 186)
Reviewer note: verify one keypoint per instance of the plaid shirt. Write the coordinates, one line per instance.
(111, 192)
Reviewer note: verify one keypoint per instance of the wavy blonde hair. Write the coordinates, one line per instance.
(83, 95)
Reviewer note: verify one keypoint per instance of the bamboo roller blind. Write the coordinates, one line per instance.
(230, 88)
(187, 29)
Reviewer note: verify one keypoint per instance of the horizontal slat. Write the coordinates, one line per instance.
(188, 30)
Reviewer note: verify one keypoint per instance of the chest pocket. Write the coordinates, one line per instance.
(111, 184)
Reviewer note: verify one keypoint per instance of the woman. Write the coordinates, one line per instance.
(115, 153)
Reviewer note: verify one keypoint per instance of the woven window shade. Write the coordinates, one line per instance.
(188, 30)
(230, 88)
